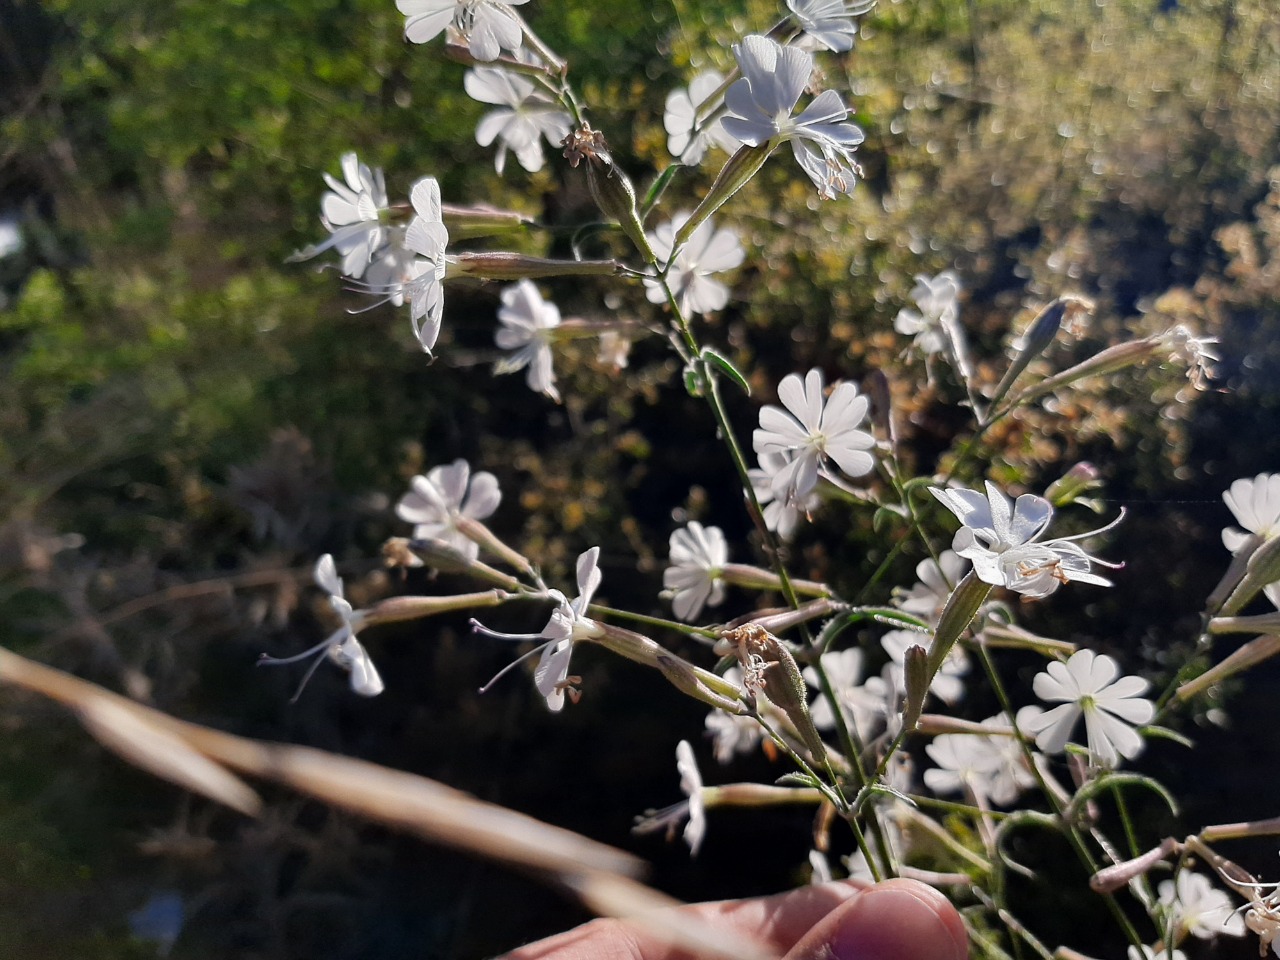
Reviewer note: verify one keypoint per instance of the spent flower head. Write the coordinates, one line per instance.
(813, 430)
(1087, 684)
(437, 501)
(528, 326)
(760, 104)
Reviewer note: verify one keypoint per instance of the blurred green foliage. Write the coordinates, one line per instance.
(197, 410)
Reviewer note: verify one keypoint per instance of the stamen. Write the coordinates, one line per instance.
(266, 660)
(514, 663)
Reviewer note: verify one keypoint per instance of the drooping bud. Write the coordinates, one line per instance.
(610, 187)
(518, 266)
(917, 678)
(769, 668)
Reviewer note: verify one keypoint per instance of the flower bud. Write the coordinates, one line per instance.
(684, 677)
(781, 619)
(465, 223)
(518, 266)
(961, 607)
(1113, 358)
(399, 609)
(733, 176)
(917, 678)
(482, 536)
(1042, 332)
(1263, 569)
(1081, 478)
(445, 558)
(757, 578)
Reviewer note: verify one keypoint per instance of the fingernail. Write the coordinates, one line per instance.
(900, 920)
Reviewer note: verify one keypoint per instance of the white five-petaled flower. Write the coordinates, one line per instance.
(939, 305)
(697, 554)
(525, 116)
(732, 732)
(426, 237)
(1199, 908)
(1003, 541)
(779, 516)
(992, 767)
(341, 646)
(686, 138)
(864, 704)
(707, 251)
(1256, 506)
(829, 22)
(938, 578)
(351, 212)
(1087, 684)
(812, 430)
(569, 623)
(528, 325)
(1198, 353)
(487, 27)
(759, 108)
(436, 502)
(691, 784)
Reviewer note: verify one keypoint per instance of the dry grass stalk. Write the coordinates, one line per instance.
(203, 760)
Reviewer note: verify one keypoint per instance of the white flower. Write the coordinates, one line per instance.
(732, 733)
(487, 27)
(528, 323)
(947, 685)
(526, 117)
(829, 22)
(1112, 708)
(685, 138)
(1256, 506)
(938, 578)
(691, 784)
(1198, 908)
(696, 555)
(864, 705)
(427, 237)
(1002, 541)
(707, 251)
(438, 500)
(759, 108)
(1157, 952)
(938, 300)
(1198, 353)
(341, 646)
(813, 429)
(779, 515)
(569, 623)
(1010, 774)
(964, 763)
(351, 212)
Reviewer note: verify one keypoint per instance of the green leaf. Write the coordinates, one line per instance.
(657, 188)
(728, 369)
(798, 780)
(1164, 733)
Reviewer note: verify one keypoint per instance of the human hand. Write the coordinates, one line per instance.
(894, 920)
